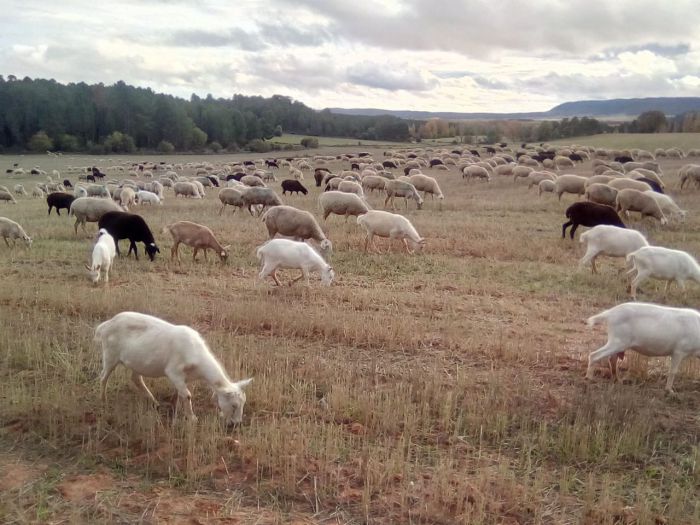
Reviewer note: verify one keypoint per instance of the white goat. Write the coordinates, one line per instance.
(662, 263)
(151, 347)
(651, 330)
(285, 253)
(391, 225)
(612, 241)
(103, 255)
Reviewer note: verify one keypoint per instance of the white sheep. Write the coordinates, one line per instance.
(289, 254)
(186, 189)
(103, 254)
(7, 196)
(399, 188)
(664, 264)
(545, 185)
(350, 186)
(667, 205)
(9, 229)
(297, 224)
(91, 209)
(611, 241)
(341, 203)
(147, 197)
(426, 185)
(570, 184)
(391, 225)
(650, 329)
(19, 190)
(151, 347)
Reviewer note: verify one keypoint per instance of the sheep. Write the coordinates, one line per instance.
(59, 200)
(154, 187)
(200, 187)
(123, 225)
(644, 174)
(37, 192)
(79, 191)
(426, 185)
(147, 197)
(341, 203)
(398, 188)
(9, 229)
(151, 347)
(689, 172)
(612, 241)
(19, 190)
(253, 181)
(601, 193)
(186, 189)
(373, 182)
(650, 329)
(232, 197)
(391, 225)
(570, 184)
(589, 214)
(95, 190)
(633, 200)
(545, 185)
(622, 184)
(479, 172)
(264, 197)
(90, 209)
(102, 256)
(662, 263)
(7, 197)
(293, 186)
(298, 224)
(667, 205)
(198, 237)
(289, 254)
(535, 177)
(563, 162)
(349, 186)
(127, 197)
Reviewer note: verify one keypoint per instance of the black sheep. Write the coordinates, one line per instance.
(590, 214)
(489, 149)
(271, 164)
(67, 184)
(59, 200)
(214, 180)
(651, 182)
(575, 157)
(436, 162)
(407, 170)
(355, 166)
(293, 186)
(411, 156)
(235, 176)
(123, 225)
(248, 163)
(319, 173)
(389, 164)
(90, 178)
(623, 159)
(34, 172)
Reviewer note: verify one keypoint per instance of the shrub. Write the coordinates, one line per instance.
(278, 131)
(259, 146)
(40, 142)
(215, 147)
(119, 142)
(165, 147)
(309, 142)
(66, 142)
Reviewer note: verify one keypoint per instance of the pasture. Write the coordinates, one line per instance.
(443, 387)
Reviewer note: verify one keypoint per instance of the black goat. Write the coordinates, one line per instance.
(590, 214)
(67, 184)
(123, 225)
(59, 200)
(293, 186)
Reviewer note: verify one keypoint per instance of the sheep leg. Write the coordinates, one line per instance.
(573, 230)
(636, 282)
(374, 245)
(7, 243)
(405, 243)
(610, 348)
(108, 366)
(205, 255)
(175, 252)
(564, 227)
(303, 274)
(593, 267)
(194, 254)
(273, 274)
(676, 360)
(137, 379)
(183, 394)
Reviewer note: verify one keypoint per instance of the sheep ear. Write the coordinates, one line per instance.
(243, 383)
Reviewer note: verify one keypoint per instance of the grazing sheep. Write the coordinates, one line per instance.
(147, 197)
(391, 225)
(9, 229)
(601, 193)
(293, 186)
(151, 347)
(79, 191)
(667, 205)
(340, 203)
(398, 188)
(373, 182)
(19, 190)
(298, 224)
(563, 162)
(198, 237)
(37, 192)
(650, 329)
(349, 186)
(535, 177)
(127, 197)
(574, 184)
(612, 241)
(252, 181)
(102, 256)
(154, 187)
(186, 189)
(59, 200)
(664, 264)
(232, 197)
(599, 179)
(426, 185)
(589, 214)
(689, 173)
(278, 254)
(7, 197)
(476, 172)
(90, 209)
(264, 197)
(633, 200)
(123, 225)
(95, 190)
(645, 175)
(545, 185)
(623, 184)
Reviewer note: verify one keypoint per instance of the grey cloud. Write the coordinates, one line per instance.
(391, 78)
(289, 71)
(286, 34)
(198, 38)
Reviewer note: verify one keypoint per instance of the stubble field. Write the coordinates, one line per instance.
(444, 387)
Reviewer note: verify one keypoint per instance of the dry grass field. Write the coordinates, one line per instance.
(445, 387)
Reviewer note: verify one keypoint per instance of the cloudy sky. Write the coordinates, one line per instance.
(438, 55)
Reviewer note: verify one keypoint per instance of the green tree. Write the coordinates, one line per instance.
(118, 142)
(66, 142)
(40, 142)
(278, 131)
(198, 138)
(215, 147)
(309, 142)
(165, 147)
(651, 122)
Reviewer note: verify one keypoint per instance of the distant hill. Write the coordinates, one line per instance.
(615, 108)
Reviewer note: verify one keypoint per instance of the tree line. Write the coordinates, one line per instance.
(41, 115)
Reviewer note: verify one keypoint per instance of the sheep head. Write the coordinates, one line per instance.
(231, 401)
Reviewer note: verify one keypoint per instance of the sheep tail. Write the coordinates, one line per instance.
(596, 319)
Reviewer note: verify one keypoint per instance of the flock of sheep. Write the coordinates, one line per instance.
(621, 181)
